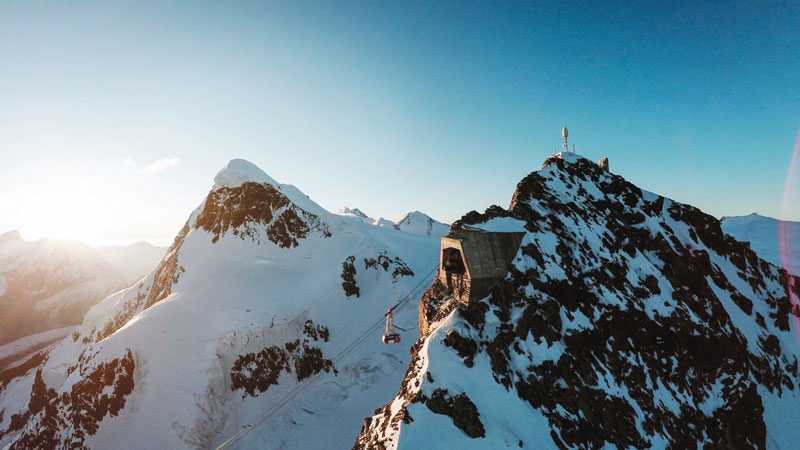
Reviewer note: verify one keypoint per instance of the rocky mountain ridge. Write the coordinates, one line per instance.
(626, 320)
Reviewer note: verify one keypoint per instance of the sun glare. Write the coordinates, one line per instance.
(63, 212)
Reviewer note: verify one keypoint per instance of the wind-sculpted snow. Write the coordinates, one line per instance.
(626, 320)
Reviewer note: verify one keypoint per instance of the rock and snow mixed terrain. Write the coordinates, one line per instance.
(627, 320)
(49, 284)
(264, 316)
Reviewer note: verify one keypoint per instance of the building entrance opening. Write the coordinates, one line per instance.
(452, 262)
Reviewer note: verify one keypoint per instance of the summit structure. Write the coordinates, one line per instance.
(625, 320)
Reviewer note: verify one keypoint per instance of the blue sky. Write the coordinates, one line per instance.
(386, 106)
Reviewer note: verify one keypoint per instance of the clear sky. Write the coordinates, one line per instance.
(114, 117)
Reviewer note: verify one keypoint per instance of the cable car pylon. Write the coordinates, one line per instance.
(390, 335)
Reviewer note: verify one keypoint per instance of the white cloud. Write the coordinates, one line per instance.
(161, 165)
(128, 162)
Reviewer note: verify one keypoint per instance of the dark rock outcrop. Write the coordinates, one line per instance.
(64, 420)
(245, 209)
(258, 371)
(628, 320)
(349, 277)
(393, 265)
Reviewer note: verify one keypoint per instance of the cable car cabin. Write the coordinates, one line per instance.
(391, 338)
(472, 261)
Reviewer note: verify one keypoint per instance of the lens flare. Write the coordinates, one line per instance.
(784, 238)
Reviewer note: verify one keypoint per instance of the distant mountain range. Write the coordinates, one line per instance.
(414, 222)
(47, 284)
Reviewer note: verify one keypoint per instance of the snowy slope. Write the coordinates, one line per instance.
(627, 320)
(47, 283)
(776, 241)
(420, 223)
(14, 352)
(265, 307)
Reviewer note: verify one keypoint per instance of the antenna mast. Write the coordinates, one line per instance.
(565, 133)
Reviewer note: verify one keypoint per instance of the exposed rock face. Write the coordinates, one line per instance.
(20, 370)
(627, 320)
(388, 264)
(349, 283)
(245, 209)
(434, 305)
(64, 420)
(258, 371)
(383, 261)
(459, 408)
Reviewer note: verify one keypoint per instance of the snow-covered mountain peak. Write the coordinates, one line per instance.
(248, 203)
(420, 223)
(355, 212)
(240, 171)
(261, 292)
(242, 175)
